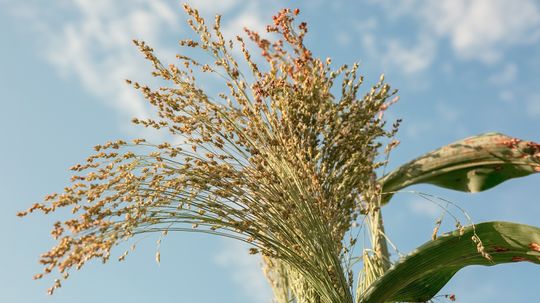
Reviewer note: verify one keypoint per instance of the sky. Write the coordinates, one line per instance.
(462, 68)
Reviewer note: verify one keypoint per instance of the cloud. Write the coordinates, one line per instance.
(504, 80)
(343, 38)
(447, 113)
(214, 7)
(507, 95)
(395, 54)
(481, 30)
(91, 43)
(443, 113)
(410, 59)
(95, 48)
(251, 17)
(425, 208)
(508, 74)
(418, 129)
(533, 105)
(246, 271)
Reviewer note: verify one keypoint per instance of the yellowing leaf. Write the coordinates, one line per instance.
(473, 164)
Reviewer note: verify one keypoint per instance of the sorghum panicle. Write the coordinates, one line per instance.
(278, 161)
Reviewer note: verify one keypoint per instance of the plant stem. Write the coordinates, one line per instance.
(376, 260)
(380, 246)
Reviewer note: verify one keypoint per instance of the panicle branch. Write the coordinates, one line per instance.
(279, 162)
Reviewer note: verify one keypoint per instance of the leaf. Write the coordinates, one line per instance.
(473, 164)
(420, 275)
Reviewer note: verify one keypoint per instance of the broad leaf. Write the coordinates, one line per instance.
(473, 164)
(420, 275)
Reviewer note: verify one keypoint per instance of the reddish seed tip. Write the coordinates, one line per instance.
(534, 246)
(296, 12)
(519, 259)
(500, 249)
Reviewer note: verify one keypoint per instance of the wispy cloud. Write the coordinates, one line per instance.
(410, 59)
(95, 47)
(246, 271)
(506, 75)
(482, 30)
(396, 54)
(92, 45)
(533, 105)
(444, 113)
(417, 129)
(425, 208)
(214, 7)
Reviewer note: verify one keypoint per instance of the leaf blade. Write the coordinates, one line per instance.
(473, 164)
(419, 276)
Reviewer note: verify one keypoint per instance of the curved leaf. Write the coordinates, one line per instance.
(419, 276)
(473, 164)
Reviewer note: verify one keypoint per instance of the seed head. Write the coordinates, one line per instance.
(280, 160)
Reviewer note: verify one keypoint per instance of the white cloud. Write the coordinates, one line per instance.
(417, 129)
(447, 113)
(214, 7)
(507, 95)
(343, 38)
(367, 24)
(91, 44)
(95, 47)
(410, 59)
(250, 17)
(425, 208)
(246, 271)
(533, 105)
(504, 80)
(476, 29)
(395, 54)
(443, 114)
(482, 29)
(506, 75)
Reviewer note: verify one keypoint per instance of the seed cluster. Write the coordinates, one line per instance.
(278, 161)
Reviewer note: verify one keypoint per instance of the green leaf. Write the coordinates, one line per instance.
(420, 275)
(473, 164)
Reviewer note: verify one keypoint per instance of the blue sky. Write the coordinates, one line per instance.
(462, 68)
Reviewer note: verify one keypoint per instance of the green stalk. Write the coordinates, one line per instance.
(380, 246)
(376, 260)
